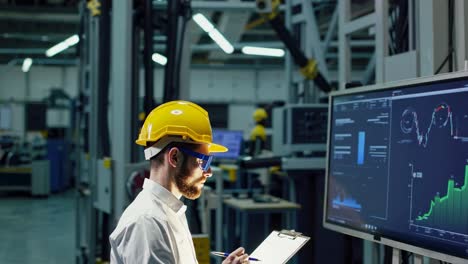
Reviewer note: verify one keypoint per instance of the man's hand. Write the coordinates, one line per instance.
(238, 256)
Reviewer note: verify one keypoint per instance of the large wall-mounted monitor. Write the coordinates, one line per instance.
(397, 167)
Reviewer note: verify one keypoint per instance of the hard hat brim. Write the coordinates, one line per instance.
(216, 148)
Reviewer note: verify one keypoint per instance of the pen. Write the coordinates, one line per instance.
(225, 254)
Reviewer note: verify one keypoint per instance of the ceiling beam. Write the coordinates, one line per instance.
(213, 5)
(39, 16)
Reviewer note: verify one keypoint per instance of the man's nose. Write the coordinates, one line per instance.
(208, 173)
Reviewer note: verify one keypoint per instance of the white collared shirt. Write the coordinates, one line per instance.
(153, 229)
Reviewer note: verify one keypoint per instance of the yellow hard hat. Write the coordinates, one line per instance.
(260, 114)
(178, 121)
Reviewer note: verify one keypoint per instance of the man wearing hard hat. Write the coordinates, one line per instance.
(153, 229)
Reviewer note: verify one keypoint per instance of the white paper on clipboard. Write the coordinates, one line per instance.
(279, 247)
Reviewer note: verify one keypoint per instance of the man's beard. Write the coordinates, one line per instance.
(188, 189)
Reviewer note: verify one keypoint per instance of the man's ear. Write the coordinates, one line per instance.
(173, 157)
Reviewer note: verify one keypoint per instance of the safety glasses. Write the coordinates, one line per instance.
(205, 160)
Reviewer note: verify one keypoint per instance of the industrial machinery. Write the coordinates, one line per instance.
(300, 128)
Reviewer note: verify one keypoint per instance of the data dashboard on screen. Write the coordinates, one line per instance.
(398, 164)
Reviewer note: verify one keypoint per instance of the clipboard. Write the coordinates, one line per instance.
(279, 247)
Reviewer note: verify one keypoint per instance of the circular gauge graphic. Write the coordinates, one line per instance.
(441, 115)
(407, 120)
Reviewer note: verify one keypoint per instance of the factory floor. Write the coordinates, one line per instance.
(37, 230)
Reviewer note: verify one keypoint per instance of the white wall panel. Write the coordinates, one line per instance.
(211, 85)
(240, 118)
(271, 86)
(42, 79)
(12, 83)
(159, 84)
(243, 85)
(223, 85)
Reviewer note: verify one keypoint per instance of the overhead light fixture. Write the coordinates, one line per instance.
(263, 51)
(222, 42)
(158, 58)
(26, 64)
(71, 41)
(214, 34)
(203, 22)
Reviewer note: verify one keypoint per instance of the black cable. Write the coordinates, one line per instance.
(445, 61)
(450, 30)
(449, 56)
(402, 34)
(103, 79)
(148, 103)
(392, 30)
(134, 90)
(405, 257)
(171, 92)
(185, 18)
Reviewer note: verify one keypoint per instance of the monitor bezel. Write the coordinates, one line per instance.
(366, 235)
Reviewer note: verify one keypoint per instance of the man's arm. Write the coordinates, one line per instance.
(144, 241)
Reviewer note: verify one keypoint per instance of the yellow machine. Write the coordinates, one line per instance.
(258, 133)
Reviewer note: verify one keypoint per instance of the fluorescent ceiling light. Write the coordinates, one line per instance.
(214, 34)
(204, 23)
(263, 51)
(158, 58)
(73, 40)
(221, 41)
(26, 64)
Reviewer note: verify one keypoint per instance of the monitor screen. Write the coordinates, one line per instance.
(397, 169)
(299, 128)
(232, 139)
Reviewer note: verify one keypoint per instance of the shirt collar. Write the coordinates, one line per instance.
(165, 196)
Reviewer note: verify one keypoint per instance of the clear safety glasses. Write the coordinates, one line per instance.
(205, 160)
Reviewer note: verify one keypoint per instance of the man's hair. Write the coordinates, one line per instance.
(159, 158)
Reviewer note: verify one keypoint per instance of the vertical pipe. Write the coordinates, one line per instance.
(344, 49)
(170, 74)
(381, 39)
(103, 150)
(288, 64)
(83, 31)
(122, 25)
(450, 15)
(103, 79)
(92, 136)
(147, 53)
(134, 107)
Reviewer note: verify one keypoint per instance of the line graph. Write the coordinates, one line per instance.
(442, 117)
(447, 213)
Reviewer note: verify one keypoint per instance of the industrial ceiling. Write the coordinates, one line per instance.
(29, 27)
